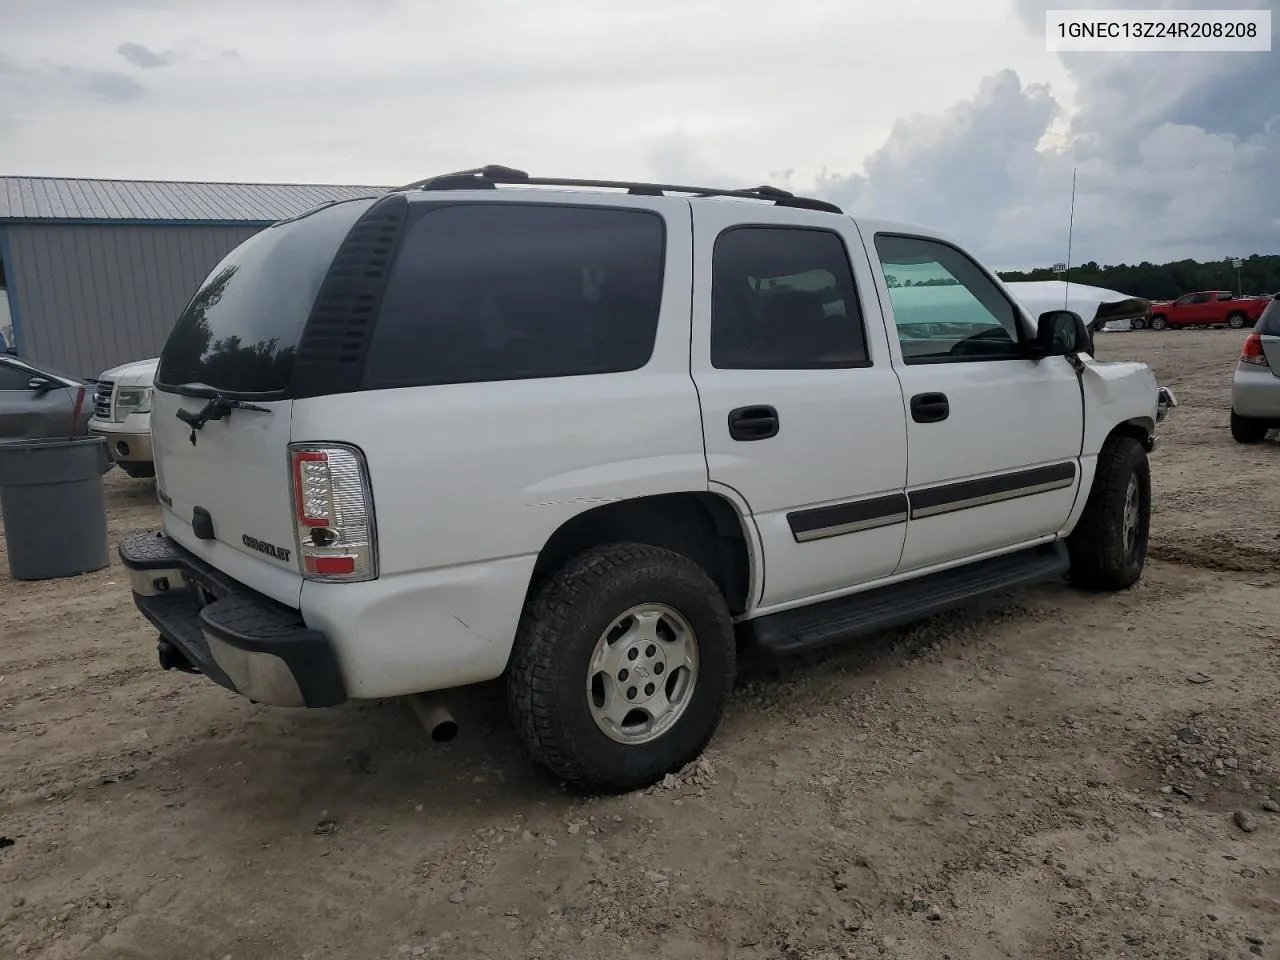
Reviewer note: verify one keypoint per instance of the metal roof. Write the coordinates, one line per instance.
(56, 198)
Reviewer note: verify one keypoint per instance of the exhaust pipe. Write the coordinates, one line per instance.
(435, 717)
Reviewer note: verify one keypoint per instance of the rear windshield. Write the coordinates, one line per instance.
(240, 331)
(1269, 322)
(511, 291)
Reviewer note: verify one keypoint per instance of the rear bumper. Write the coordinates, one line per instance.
(235, 636)
(1255, 392)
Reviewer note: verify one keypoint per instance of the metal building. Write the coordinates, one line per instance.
(94, 273)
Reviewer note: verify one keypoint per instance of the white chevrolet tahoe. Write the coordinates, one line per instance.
(594, 436)
(122, 415)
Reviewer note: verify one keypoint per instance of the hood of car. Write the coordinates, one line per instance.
(1039, 296)
(134, 373)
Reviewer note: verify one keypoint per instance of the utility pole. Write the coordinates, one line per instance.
(1238, 263)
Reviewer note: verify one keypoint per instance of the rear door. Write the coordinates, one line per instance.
(222, 472)
(801, 410)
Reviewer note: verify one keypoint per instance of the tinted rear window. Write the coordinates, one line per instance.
(1269, 322)
(508, 291)
(240, 331)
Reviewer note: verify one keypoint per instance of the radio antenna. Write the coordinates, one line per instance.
(1071, 222)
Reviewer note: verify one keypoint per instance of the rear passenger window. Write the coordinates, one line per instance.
(497, 291)
(783, 298)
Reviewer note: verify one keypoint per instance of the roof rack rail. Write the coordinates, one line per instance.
(488, 178)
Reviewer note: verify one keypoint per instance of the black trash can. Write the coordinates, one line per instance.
(54, 507)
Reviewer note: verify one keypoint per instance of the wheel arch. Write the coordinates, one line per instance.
(708, 528)
(1142, 429)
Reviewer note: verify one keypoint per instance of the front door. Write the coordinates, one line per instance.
(993, 436)
(1194, 308)
(801, 409)
(27, 414)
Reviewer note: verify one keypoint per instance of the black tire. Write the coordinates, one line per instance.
(137, 469)
(1137, 323)
(548, 676)
(1102, 555)
(1159, 323)
(1248, 429)
(1236, 321)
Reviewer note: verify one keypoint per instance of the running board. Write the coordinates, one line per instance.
(829, 622)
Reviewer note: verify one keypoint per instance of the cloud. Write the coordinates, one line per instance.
(1176, 157)
(924, 110)
(590, 92)
(678, 158)
(107, 85)
(145, 58)
(190, 51)
(954, 166)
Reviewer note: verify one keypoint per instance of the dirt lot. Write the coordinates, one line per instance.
(1050, 775)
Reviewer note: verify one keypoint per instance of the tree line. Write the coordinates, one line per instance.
(1165, 281)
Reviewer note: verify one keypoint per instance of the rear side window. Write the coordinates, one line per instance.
(240, 332)
(783, 298)
(507, 291)
(1269, 323)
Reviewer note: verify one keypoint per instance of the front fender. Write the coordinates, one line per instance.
(1124, 392)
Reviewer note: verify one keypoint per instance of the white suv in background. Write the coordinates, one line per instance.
(593, 436)
(122, 415)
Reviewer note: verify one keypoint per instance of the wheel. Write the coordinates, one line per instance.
(1108, 547)
(622, 664)
(1159, 323)
(1247, 429)
(1236, 321)
(137, 469)
(1137, 324)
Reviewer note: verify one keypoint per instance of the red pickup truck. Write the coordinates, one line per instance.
(1208, 308)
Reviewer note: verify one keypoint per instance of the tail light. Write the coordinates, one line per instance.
(1253, 352)
(333, 510)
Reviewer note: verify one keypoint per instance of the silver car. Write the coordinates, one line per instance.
(38, 403)
(1255, 391)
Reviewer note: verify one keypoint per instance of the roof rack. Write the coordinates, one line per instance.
(488, 178)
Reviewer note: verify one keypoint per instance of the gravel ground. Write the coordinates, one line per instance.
(1049, 774)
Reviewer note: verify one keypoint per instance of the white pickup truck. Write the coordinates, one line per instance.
(122, 415)
(592, 437)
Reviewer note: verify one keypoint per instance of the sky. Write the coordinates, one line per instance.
(944, 112)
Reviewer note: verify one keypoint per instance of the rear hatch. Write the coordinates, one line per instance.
(1268, 329)
(220, 416)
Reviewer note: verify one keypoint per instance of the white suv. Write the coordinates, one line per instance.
(122, 415)
(593, 436)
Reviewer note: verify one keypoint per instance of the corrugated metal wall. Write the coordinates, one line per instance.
(89, 297)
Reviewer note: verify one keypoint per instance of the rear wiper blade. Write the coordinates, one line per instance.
(216, 407)
(201, 390)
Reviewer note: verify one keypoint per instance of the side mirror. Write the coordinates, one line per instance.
(1060, 333)
(40, 385)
